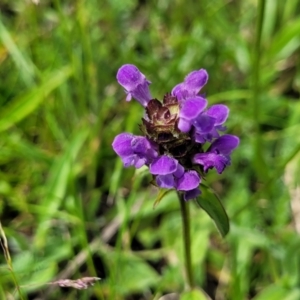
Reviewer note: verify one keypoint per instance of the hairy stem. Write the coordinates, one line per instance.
(185, 214)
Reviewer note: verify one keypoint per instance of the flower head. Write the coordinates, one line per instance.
(175, 130)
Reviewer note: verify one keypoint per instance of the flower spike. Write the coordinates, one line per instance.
(174, 133)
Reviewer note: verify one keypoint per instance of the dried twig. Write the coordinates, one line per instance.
(79, 284)
(4, 245)
(294, 191)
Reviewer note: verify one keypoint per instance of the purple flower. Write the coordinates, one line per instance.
(134, 83)
(190, 110)
(191, 86)
(218, 154)
(208, 123)
(175, 131)
(134, 150)
(170, 174)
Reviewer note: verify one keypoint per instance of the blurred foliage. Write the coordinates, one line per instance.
(70, 210)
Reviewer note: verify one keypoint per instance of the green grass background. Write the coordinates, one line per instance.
(68, 207)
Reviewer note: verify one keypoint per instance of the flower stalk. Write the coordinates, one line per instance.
(182, 139)
(186, 234)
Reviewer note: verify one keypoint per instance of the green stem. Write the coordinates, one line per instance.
(185, 214)
(258, 160)
(256, 62)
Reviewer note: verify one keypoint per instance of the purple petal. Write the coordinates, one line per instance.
(129, 160)
(165, 181)
(219, 112)
(204, 124)
(133, 160)
(220, 127)
(179, 172)
(192, 194)
(129, 76)
(218, 154)
(189, 181)
(142, 93)
(192, 107)
(122, 144)
(135, 83)
(139, 162)
(225, 144)
(164, 165)
(179, 92)
(134, 150)
(212, 160)
(184, 125)
(191, 86)
(195, 80)
(206, 137)
(152, 152)
(139, 144)
(144, 148)
(200, 138)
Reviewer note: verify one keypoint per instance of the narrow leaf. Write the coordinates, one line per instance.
(162, 193)
(23, 105)
(24, 65)
(57, 184)
(211, 203)
(284, 36)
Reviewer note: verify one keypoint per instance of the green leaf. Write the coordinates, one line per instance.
(131, 274)
(23, 105)
(194, 295)
(275, 292)
(24, 65)
(162, 193)
(284, 36)
(56, 187)
(211, 203)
